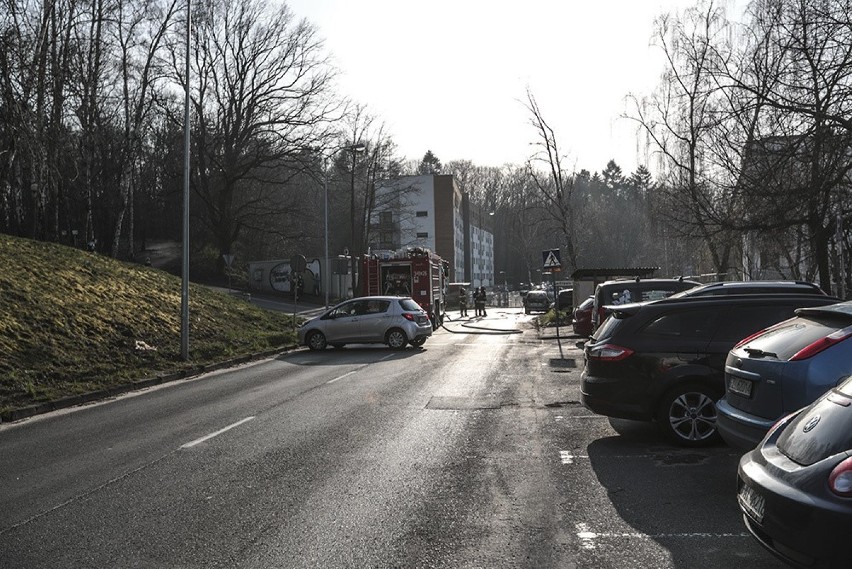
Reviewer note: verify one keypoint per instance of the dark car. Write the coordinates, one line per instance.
(784, 368)
(795, 489)
(634, 290)
(536, 300)
(565, 299)
(752, 287)
(582, 317)
(664, 361)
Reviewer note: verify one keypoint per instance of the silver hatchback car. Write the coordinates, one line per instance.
(392, 320)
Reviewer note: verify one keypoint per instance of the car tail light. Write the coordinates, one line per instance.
(840, 479)
(822, 344)
(609, 353)
(409, 316)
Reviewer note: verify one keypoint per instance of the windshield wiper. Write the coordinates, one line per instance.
(758, 353)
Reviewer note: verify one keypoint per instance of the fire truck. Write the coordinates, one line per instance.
(415, 271)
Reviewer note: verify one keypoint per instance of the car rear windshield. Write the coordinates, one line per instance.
(830, 433)
(608, 328)
(409, 304)
(787, 338)
(628, 293)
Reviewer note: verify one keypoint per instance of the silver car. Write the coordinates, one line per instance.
(392, 320)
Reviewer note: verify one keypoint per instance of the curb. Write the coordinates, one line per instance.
(134, 385)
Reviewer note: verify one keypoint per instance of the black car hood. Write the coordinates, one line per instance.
(822, 430)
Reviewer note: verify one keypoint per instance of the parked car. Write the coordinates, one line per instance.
(565, 299)
(582, 317)
(392, 320)
(664, 361)
(612, 293)
(795, 489)
(752, 287)
(784, 368)
(536, 300)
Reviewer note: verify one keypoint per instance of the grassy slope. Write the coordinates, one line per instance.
(73, 321)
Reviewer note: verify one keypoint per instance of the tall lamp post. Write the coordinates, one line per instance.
(359, 147)
(354, 149)
(326, 271)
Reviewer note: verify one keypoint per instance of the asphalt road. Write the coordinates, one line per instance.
(472, 452)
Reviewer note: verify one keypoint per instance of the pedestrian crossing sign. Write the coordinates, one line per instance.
(550, 259)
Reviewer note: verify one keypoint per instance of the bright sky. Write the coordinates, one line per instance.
(451, 75)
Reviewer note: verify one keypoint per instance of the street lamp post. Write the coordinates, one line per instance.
(354, 149)
(359, 147)
(326, 271)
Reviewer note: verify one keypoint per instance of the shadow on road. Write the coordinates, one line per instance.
(682, 498)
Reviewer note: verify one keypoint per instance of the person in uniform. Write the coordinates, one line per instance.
(462, 302)
(479, 301)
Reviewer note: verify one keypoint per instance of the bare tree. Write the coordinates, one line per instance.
(554, 182)
(797, 166)
(34, 77)
(139, 32)
(262, 101)
(680, 119)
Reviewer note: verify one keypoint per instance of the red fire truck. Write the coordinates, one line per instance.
(416, 272)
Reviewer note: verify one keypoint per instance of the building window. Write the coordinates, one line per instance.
(423, 235)
(386, 218)
(422, 214)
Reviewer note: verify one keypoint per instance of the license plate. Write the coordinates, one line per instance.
(751, 502)
(740, 386)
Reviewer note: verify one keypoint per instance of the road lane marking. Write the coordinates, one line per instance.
(568, 458)
(216, 434)
(358, 369)
(341, 376)
(588, 538)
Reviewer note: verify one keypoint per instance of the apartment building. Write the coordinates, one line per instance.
(431, 211)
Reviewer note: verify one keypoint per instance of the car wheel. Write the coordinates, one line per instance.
(526, 310)
(687, 415)
(417, 342)
(337, 346)
(316, 341)
(396, 339)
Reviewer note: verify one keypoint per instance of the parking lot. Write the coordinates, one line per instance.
(634, 499)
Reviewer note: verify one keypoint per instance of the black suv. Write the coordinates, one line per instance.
(664, 361)
(752, 287)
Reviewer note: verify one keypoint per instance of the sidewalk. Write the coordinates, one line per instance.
(307, 308)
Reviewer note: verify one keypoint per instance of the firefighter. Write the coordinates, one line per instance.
(462, 302)
(479, 297)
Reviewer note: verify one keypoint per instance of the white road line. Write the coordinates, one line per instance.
(359, 369)
(588, 538)
(568, 458)
(216, 434)
(341, 376)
